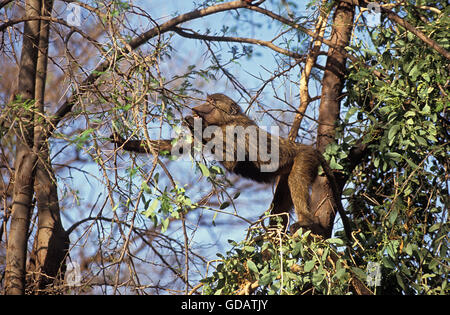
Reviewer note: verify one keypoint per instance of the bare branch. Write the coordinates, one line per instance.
(304, 79)
(192, 34)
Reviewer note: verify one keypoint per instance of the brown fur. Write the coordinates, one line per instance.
(298, 163)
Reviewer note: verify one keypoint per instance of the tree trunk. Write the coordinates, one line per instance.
(333, 82)
(25, 159)
(51, 242)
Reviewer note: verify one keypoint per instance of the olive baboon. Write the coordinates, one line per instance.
(252, 155)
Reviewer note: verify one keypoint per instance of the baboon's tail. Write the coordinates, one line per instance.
(337, 200)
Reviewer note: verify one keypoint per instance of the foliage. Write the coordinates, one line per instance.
(271, 262)
(400, 195)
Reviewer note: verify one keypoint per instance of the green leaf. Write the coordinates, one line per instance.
(409, 249)
(298, 249)
(318, 277)
(250, 249)
(393, 216)
(394, 156)
(351, 112)
(414, 73)
(388, 263)
(376, 162)
(348, 191)
(411, 163)
(309, 265)
(204, 169)
(361, 274)
(335, 165)
(400, 281)
(217, 169)
(432, 138)
(421, 140)
(151, 208)
(340, 274)
(224, 205)
(146, 188)
(434, 227)
(392, 248)
(267, 278)
(433, 263)
(410, 121)
(252, 267)
(336, 241)
(165, 224)
(392, 132)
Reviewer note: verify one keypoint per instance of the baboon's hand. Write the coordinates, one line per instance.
(189, 122)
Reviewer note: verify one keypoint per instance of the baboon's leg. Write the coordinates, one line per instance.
(301, 177)
(282, 201)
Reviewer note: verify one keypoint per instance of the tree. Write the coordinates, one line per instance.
(370, 90)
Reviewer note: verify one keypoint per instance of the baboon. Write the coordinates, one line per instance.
(252, 155)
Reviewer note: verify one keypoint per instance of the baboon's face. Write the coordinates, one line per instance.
(218, 110)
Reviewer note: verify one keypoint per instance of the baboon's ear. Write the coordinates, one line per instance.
(210, 99)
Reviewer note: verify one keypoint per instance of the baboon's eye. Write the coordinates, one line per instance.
(211, 101)
(234, 110)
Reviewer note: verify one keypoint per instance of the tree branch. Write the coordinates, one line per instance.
(434, 45)
(304, 78)
(254, 41)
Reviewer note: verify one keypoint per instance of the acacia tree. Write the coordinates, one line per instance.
(375, 107)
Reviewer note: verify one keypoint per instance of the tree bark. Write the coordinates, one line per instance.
(25, 159)
(332, 84)
(51, 242)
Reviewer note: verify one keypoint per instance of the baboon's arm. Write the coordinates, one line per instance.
(142, 146)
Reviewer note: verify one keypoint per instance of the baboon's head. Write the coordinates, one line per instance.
(218, 110)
